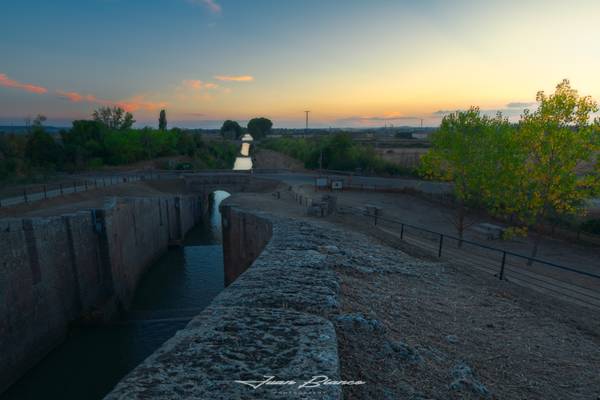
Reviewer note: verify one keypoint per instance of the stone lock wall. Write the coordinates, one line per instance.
(272, 320)
(244, 237)
(56, 270)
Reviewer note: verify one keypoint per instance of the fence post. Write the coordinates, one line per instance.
(25, 196)
(402, 232)
(85, 185)
(441, 244)
(502, 266)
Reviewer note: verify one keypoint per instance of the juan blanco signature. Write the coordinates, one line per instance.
(315, 381)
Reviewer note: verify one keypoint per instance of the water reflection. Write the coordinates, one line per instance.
(244, 163)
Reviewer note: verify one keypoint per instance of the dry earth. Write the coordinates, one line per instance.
(448, 331)
(264, 158)
(406, 157)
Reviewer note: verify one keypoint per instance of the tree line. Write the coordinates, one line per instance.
(542, 169)
(106, 139)
(258, 128)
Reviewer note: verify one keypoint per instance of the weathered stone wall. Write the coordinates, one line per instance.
(245, 235)
(273, 320)
(56, 270)
(235, 182)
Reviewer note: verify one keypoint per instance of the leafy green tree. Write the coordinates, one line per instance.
(472, 151)
(231, 130)
(558, 138)
(185, 142)
(114, 118)
(259, 127)
(84, 143)
(42, 150)
(162, 120)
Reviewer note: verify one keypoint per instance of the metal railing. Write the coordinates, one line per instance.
(577, 285)
(49, 190)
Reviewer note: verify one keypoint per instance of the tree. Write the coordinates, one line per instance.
(473, 151)
(558, 138)
(231, 129)
(259, 127)
(84, 142)
(114, 117)
(162, 120)
(42, 150)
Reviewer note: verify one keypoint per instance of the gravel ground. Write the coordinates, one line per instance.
(416, 328)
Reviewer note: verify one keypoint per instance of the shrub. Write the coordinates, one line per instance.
(591, 226)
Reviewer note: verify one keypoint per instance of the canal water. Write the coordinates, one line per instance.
(93, 359)
(243, 162)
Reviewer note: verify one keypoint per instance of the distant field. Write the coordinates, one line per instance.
(392, 142)
(403, 156)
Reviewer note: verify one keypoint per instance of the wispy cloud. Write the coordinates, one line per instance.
(521, 105)
(132, 104)
(141, 103)
(7, 82)
(234, 78)
(193, 84)
(77, 97)
(211, 5)
(196, 84)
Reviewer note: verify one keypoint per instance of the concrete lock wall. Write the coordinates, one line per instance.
(274, 319)
(245, 235)
(56, 270)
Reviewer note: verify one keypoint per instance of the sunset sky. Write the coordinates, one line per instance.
(352, 63)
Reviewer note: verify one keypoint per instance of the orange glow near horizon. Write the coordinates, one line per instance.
(363, 64)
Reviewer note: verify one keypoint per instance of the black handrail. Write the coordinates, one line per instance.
(470, 242)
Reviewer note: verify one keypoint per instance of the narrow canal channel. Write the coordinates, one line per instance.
(93, 359)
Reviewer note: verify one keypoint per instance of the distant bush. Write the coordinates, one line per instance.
(336, 152)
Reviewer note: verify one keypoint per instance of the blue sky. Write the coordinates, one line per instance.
(350, 62)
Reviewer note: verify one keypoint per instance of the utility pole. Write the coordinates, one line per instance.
(421, 123)
(306, 128)
(321, 162)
